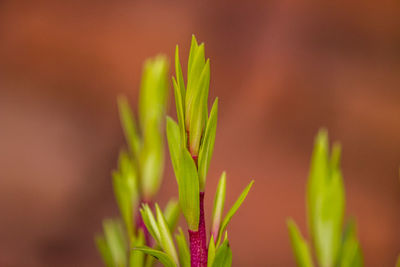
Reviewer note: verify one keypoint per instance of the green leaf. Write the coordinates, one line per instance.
(318, 172)
(180, 94)
(152, 109)
(114, 236)
(198, 112)
(300, 247)
(207, 146)
(219, 202)
(233, 210)
(179, 76)
(325, 198)
(128, 124)
(104, 250)
(196, 68)
(166, 241)
(223, 256)
(211, 252)
(136, 257)
(350, 253)
(153, 92)
(163, 257)
(398, 261)
(126, 191)
(180, 111)
(193, 48)
(186, 176)
(150, 222)
(183, 249)
(174, 144)
(152, 163)
(171, 214)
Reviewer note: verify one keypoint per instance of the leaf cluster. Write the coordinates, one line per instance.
(191, 144)
(140, 168)
(333, 246)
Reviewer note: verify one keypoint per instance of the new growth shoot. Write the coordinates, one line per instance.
(139, 174)
(332, 245)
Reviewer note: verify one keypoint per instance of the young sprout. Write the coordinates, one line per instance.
(139, 173)
(191, 145)
(325, 207)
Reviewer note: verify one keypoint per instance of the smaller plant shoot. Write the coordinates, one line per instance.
(332, 245)
(138, 177)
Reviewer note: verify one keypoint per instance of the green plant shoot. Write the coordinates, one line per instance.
(325, 207)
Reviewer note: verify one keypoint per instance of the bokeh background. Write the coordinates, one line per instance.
(282, 69)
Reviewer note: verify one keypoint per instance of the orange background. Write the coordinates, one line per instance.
(282, 69)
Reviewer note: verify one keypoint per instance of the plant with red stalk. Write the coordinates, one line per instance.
(191, 144)
(332, 245)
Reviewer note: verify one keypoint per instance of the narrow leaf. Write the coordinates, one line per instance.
(223, 256)
(197, 113)
(171, 214)
(163, 257)
(233, 210)
(300, 247)
(137, 257)
(219, 202)
(350, 253)
(179, 75)
(150, 222)
(211, 252)
(152, 108)
(183, 248)
(104, 250)
(128, 124)
(166, 241)
(116, 243)
(180, 111)
(207, 146)
(186, 176)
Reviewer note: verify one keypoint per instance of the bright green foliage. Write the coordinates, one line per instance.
(197, 130)
(152, 106)
(207, 147)
(186, 176)
(325, 206)
(232, 211)
(171, 213)
(219, 202)
(211, 252)
(350, 254)
(183, 249)
(300, 246)
(139, 172)
(160, 231)
(325, 201)
(163, 257)
(113, 244)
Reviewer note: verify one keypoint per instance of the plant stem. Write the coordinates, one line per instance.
(198, 240)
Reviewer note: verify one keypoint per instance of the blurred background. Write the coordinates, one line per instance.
(282, 70)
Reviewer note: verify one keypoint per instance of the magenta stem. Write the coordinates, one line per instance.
(198, 240)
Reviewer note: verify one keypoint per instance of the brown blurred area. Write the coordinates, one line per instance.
(282, 70)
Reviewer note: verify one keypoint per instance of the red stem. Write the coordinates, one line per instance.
(198, 240)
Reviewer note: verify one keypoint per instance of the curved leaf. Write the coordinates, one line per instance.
(163, 257)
